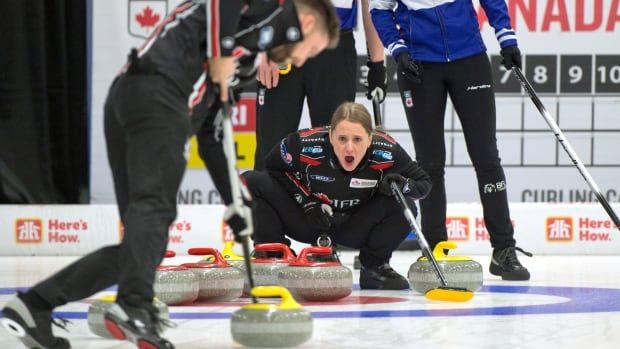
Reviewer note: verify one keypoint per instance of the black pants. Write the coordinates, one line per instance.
(376, 228)
(211, 150)
(469, 84)
(325, 81)
(146, 128)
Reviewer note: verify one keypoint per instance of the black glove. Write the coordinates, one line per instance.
(409, 68)
(377, 80)
(239, 216)
(511, 57)
(319, 214)
(401, 182)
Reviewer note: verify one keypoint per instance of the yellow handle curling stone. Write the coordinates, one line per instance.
(460, 271)
(269, 325)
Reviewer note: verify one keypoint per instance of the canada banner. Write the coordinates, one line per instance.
(144, 15)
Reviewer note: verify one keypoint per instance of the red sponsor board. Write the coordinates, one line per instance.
(28, 230)
(458, 228)
(559, 229)
(244, 115)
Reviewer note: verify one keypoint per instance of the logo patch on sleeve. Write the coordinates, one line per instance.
(286, 156)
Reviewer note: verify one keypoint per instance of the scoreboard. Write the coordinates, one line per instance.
(548, 74)
(562, 74)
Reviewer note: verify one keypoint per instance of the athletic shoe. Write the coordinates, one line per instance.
(136, 325)
(382, 277)
(505, 263)
(32, 326)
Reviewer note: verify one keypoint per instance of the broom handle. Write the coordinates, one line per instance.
(235, 186)
(426, 251)
(376, 109)
(566, 145)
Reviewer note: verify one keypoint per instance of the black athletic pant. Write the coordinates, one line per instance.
(146, 128)
(376, 228)
(211, 150)
(469, 84)
(326, 81)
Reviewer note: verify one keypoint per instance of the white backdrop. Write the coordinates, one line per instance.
(557, 30)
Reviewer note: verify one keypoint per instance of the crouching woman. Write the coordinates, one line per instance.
(335, 180)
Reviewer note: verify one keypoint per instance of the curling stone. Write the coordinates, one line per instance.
(265, 270)
(175, 284)
(271, 325)
(460, 271)
(218, 281)
(96, 323)
(316, 281)
(229, 256)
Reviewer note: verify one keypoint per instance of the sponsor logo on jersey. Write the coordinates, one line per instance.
(363, 183)
(494, 187)
(382, 144)
(347, 203)
(387, 155)
(322, 178)
(312, 139)
(408, 99)
(317, 149)
(261, 96)
(559, 228)
(478, 87)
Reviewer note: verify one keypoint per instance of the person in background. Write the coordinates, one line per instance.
(324, 82)
(439, 53)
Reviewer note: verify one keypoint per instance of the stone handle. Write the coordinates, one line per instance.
(287, 254)
(208, 251)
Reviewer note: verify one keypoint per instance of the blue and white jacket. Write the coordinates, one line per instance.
(347, 12)
(438, 30)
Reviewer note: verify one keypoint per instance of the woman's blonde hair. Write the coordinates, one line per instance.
(352, 112)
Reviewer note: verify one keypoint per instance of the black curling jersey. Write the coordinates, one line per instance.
(200, 29)
(304, 163)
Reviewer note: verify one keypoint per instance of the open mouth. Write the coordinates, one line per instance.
(349, 159)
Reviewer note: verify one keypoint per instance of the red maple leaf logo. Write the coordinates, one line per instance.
(147, 18)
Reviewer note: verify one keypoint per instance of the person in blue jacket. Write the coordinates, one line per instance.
(439, 53)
